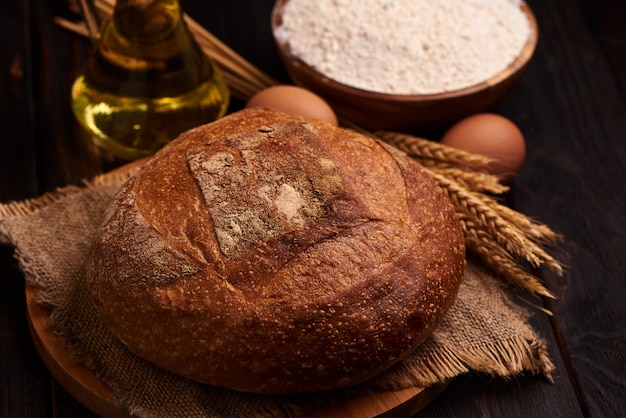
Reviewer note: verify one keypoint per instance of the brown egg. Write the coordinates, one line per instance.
(493, 136)
(294, 100)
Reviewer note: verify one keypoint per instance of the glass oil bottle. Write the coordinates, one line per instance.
(146, 81)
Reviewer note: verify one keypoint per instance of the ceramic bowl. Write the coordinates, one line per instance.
(411, 112)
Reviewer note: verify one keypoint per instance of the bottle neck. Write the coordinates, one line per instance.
(147, 49)
(147, 22)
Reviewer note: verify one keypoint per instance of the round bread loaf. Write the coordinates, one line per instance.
(274, 254)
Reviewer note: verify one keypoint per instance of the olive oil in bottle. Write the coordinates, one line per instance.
(146, 81)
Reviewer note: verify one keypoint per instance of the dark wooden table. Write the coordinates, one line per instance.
(571, 105)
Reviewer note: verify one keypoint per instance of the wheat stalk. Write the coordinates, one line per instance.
(424, 149)
(502, 264)
(476, 181)
(471, 208)
(536, 231)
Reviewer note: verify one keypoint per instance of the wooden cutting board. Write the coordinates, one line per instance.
(83, 384)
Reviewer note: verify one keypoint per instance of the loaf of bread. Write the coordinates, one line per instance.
(274, 254)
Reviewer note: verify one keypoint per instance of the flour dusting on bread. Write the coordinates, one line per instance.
(252, 196)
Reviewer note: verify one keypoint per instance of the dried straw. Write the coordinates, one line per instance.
(505, 240)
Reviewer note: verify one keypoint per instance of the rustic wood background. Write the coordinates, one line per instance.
(571, 105)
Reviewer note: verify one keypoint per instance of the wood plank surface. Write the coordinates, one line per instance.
(571, 105)
(576, 184)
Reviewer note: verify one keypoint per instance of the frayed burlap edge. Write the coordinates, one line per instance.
(505, 359)
(27, 207)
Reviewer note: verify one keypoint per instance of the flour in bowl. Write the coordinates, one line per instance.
(406, 46)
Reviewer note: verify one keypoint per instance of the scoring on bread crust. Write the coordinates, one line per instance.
(250, 196)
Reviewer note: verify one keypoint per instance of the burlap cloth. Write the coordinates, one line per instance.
(485, 330)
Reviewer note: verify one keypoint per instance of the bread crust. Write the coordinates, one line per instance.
(273, 254)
